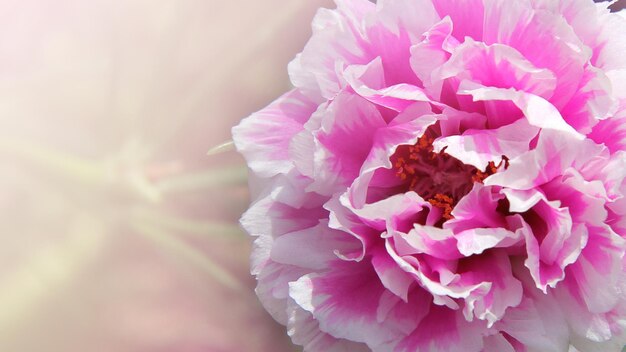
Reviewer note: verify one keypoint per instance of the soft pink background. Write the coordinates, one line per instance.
(118, 231)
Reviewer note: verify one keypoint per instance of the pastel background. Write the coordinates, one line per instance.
(118, 232)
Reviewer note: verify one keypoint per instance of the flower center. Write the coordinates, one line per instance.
(439, 178)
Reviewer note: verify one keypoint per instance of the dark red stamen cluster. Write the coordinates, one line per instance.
(439, 178)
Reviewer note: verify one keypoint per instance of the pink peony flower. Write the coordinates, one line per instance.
(446, 176)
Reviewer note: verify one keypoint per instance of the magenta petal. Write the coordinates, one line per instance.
(498, 66)
(345, 302)
(477, 210)
(444, 329)
(386, 140)
(505, 290)
(429, 240)
(432, 53)
(611, 133)
(595, 277)
(538, 111)
(339, 143)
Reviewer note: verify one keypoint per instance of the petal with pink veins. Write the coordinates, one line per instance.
(538, 111)
(264, 137)
(304, 331)
(345, 302)
(479, 147)
(555, 153)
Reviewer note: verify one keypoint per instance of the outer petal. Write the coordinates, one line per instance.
(596, 279)
(545, 39)
(345, 302)
(596, 27)
(312, 248)
(264, 137)
(338, 38)
(444, 329)
(538, 324)
(304, 330)
(338, 143)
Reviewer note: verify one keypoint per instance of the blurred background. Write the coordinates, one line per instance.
(119, 232)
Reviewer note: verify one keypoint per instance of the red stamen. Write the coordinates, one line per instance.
(439, 178)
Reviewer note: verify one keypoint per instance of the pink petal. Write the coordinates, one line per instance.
(505, 290)
(538, 324)
(340, 143)
(391, 276)
(538, 111)
(467, 16)
(336, 39)
(498, 66)
(436, 242)
(596, 276)
(479, 147)
(477, 209)
(264, 137)
(444, 329)
(312, 248)
(476, 241)
(304, 330)
(498, 343)
(345, 302)
(369, 82)
(555, 153)
(405, 129)
(431, 53)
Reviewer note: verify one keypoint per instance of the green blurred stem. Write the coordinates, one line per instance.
(67, 165)
(222, 148)
(227, 176)
(180, 249)
(186, 226)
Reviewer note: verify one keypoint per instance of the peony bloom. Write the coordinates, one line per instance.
(446, 176)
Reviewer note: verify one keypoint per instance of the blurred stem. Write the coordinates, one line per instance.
(173, 245)
(203, 180)
(67, 165)
(222, 148)
(186, 226)
(47, 273)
